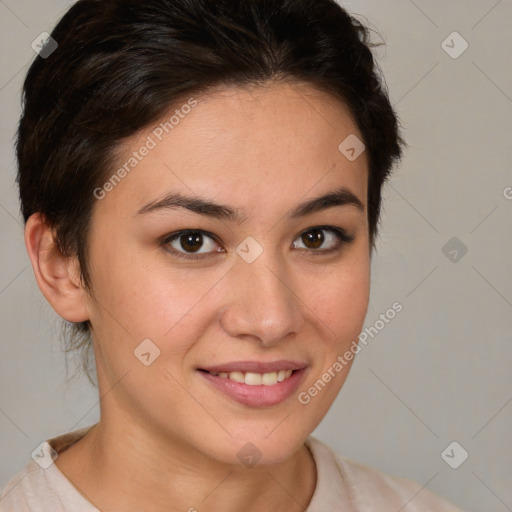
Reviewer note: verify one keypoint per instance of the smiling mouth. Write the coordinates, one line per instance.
(256, 383)
(254, 379)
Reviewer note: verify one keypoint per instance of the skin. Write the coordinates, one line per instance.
(167, 437)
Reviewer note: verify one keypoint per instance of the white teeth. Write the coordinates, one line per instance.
(256, 379)
(237, 377)
(253, 379)
(282, 375)
(269, 379)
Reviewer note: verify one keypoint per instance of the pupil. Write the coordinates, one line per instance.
(315, 238)
(191, 242)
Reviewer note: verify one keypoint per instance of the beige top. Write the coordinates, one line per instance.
(342, 484)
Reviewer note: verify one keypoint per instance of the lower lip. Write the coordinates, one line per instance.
(257, 396)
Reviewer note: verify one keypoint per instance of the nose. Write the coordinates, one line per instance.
(262, 303)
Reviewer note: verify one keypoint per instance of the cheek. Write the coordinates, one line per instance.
(340, 300)
(341, 304)
(138, 298)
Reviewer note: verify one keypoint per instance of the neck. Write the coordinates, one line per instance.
(117, 466)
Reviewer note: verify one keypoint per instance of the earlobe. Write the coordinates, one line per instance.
(56, 274)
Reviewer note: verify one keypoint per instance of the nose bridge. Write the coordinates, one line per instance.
(262, 303)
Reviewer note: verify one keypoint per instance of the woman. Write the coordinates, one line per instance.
(201, 185)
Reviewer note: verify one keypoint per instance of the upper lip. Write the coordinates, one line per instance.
(255, 366)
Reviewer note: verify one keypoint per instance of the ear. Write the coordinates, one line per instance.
(58, 276)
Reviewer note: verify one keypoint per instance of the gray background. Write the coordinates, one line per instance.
(439, 372)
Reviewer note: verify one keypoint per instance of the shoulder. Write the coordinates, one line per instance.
(366, 488)
(40, 486)
(16, 494)
(33, 489)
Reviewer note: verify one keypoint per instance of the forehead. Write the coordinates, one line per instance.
(245, 145)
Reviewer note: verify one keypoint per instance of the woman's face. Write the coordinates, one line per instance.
(194, 334)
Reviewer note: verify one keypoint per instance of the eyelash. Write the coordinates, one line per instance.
(343, 238)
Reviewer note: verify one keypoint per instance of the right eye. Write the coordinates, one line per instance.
(192, 244)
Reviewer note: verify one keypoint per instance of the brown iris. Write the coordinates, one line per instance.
(314, 237)
(191, 242)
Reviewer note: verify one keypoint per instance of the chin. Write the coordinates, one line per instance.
(263, 447)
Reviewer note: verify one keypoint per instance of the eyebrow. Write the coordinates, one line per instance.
(339, 197)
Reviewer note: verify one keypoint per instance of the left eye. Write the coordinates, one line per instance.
(320, 237)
